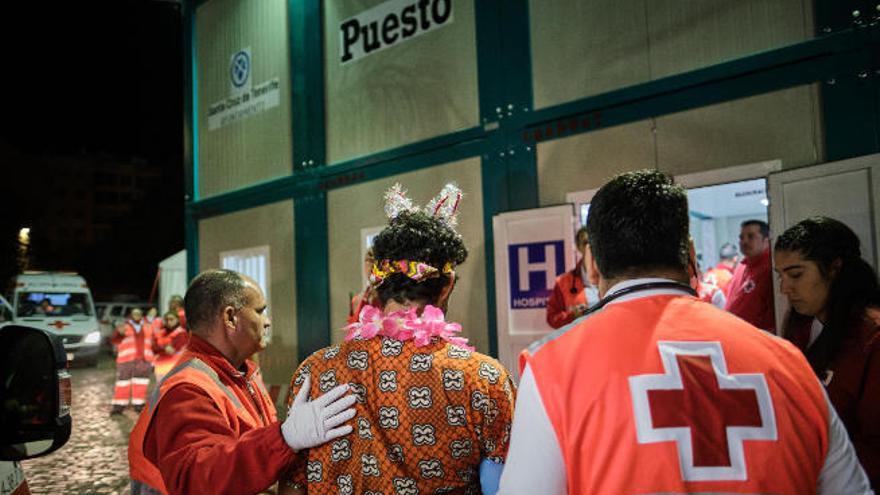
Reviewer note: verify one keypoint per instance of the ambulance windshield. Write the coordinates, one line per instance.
(53, 304)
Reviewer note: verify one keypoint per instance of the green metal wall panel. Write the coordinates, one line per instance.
(508, 129)
(313, 292)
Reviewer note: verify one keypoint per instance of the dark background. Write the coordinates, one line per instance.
(91, 140)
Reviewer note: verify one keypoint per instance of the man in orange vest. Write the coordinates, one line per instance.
(572, 294)
(721, 274)
(655, 391)
(134, 362)
(210, 426)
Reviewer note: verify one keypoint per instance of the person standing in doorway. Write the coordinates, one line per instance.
(721, 274)
(750, 294)
(573, 294)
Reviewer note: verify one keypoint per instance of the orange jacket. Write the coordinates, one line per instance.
(567, 292)
(135, 346)
(215, 432)
(177, 338)
(664, 393)
(719, 276)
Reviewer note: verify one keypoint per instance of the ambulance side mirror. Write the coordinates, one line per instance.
(34, 393)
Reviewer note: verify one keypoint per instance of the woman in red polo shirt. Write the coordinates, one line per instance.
(835, 320)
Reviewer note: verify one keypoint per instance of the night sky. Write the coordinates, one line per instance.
(85, 83)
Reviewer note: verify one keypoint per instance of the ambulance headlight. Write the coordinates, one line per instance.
(92, 337)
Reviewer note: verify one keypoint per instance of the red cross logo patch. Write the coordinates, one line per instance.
(705, 410)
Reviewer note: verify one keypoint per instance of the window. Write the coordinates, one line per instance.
(253, 262)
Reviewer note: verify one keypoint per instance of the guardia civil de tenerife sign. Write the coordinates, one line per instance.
(388, 24)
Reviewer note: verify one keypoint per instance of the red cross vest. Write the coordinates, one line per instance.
(664, 393)
(192, 370)
(134, 345)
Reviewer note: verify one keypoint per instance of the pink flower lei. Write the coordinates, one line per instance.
(406, 325)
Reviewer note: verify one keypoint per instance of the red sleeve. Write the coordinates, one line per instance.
(866, 439)
(197, 451)
(115, 338)
(163, 338)
(557, 314)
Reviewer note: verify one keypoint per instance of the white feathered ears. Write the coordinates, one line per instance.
(444, 206)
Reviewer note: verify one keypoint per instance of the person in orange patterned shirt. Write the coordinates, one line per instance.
(433, 415)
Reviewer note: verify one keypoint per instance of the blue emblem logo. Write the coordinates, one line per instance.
(240, 69)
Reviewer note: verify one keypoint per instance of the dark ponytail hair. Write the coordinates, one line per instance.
(853, 288)
(417, 236)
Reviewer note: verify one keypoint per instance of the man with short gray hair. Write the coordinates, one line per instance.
(210, 426)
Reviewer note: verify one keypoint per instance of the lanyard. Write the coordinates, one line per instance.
(640, 288)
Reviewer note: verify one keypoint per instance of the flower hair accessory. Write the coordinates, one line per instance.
(406, 325)
(416, 270)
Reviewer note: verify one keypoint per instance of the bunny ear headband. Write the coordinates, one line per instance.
(444, 207)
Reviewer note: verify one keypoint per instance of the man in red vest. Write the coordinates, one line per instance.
(657, 392)
(210, 426)
(750, 293)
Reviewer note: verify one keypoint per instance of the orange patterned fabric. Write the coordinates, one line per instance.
(426, 417)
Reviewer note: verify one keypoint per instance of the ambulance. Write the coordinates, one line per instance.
(61, 303)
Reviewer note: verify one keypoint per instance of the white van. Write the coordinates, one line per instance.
(61, 303)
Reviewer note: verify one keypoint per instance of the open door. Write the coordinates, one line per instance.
(844, 190)
(532, 248)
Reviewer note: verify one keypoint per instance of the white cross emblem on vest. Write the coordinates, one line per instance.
(706, 411)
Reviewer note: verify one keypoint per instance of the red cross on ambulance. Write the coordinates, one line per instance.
(705, 410)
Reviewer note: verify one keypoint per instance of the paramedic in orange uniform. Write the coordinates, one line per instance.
(657, 392)
(569, 299)
(134, 362)
(211, 426)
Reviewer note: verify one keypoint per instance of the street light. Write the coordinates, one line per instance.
(24, 252)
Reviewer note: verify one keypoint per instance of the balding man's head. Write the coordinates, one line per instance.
(209, 293)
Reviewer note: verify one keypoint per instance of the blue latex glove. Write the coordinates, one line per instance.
(490, 476)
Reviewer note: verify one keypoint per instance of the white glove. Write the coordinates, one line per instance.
(312, 423)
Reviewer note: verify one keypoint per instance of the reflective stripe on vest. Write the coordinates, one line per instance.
(200, 365)
(140, 468)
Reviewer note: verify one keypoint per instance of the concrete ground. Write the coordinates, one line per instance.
(95, 459)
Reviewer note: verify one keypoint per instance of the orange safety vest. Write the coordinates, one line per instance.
(128, 345)
(192, 370)
(664, 393)
(719, 276)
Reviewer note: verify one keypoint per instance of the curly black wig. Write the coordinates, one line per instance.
(417, 236)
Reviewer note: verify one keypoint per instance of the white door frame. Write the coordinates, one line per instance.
(777, 213)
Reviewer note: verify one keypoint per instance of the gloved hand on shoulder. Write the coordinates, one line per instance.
(313, 423)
